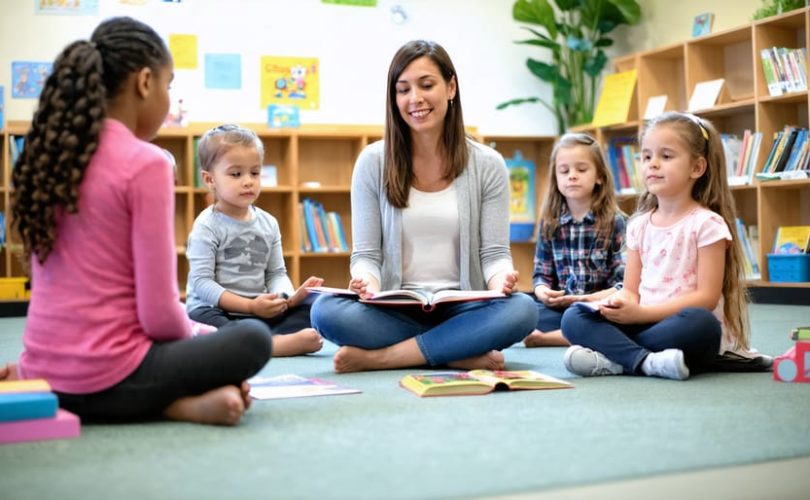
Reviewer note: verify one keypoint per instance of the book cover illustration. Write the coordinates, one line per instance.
(792, 240)
(702, 24)
(294, 386)
(28, 78)
(281, 116)
(290, 81)
(522, 214)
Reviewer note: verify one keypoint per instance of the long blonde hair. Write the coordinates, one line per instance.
(603, 198)
(711, 191)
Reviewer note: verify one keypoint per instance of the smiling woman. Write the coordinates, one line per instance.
(430, 211)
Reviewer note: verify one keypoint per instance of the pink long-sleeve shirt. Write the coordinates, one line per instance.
(109, 287)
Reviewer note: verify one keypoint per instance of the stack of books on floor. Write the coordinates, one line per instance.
(29, 411)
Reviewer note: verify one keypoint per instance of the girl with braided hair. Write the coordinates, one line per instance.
(94, 206)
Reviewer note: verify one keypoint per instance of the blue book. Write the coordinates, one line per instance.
(310, 225)
(27, 406)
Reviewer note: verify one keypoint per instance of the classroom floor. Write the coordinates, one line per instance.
(718, 436)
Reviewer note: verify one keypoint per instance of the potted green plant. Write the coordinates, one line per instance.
(575, 33)
(773, 7)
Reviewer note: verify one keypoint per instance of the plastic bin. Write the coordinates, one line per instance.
(789, 267)
(14, 288)
(521, 231)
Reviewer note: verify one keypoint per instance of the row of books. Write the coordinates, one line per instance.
(741, 156)
(749, 240)
(785, 69)
(29, 411)
(321, 231)
(625, 164)
(789, 151)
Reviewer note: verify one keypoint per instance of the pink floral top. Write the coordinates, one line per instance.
(669, 255)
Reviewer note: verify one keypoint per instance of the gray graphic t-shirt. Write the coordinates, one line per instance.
(242, 257)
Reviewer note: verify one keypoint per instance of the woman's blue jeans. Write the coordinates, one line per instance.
(451, 332)
(694, 330)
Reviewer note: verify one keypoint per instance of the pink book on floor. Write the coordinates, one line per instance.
(63, 425)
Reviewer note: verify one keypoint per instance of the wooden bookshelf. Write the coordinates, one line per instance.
(734, 55)
(313, 161)
(538, 150)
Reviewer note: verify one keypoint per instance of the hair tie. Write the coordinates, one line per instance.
(697, 121)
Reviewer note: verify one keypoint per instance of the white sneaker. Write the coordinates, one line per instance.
(668, 363)
(589, 363)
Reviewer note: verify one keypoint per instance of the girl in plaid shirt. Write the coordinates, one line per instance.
(579, 243)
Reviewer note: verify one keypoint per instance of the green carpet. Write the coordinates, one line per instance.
(388, 443)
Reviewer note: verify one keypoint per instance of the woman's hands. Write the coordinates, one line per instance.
(364, 287)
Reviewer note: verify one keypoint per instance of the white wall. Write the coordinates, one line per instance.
(354, 46)
(670, 21)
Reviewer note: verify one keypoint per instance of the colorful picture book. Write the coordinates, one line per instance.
(427, 300)
(792, 239)
(702, 24)
(294, 386)
(476, 382)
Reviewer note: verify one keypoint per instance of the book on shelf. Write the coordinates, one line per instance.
(294, 386)
(792, 239)
(702, 24)
(426, 300)
(62, 425)
(751, 262)
(784, 69)
(800, 333)
(323, 231)
(476, 382)
(269, 176)
(706, 94)
(521, 188)
(2, 229)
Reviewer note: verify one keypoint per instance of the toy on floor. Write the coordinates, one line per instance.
(794, 365)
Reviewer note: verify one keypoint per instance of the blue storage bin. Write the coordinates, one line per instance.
(789, 267)
(521, 231)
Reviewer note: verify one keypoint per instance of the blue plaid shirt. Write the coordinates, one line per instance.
(573, 261)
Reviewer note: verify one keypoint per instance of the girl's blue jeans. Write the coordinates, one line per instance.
(694, 330)
(451, 332)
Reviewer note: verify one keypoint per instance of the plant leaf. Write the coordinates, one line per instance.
(594, 65)
(536, 33)
(566, 5)
(540, 43)
(630, 9)
(535, 12)
(603, 42)
(543, 71)
(515, 102)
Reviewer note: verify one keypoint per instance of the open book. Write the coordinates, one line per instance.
(428, 301)
(294, 386)
(478, 382)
